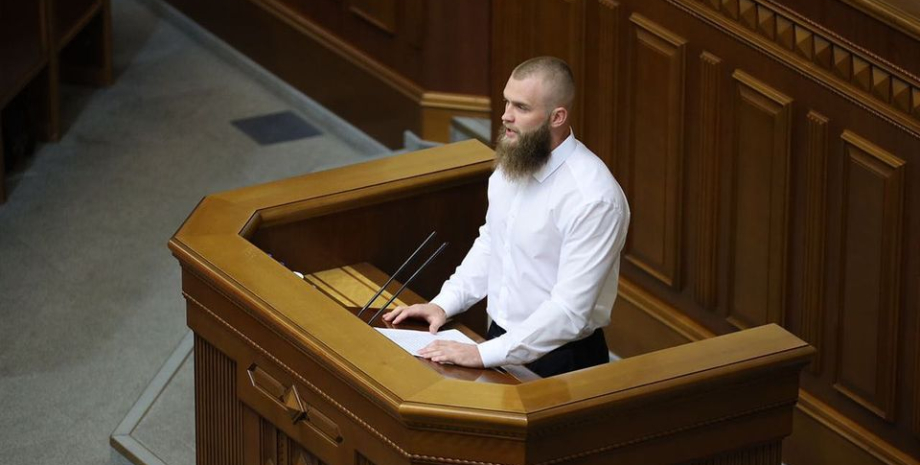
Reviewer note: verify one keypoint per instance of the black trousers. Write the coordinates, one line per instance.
(575, 355)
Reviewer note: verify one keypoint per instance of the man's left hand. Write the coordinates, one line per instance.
(458, 353)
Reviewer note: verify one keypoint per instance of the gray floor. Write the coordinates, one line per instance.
(89, 294)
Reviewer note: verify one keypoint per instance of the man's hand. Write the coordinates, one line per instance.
(433, 314)
(458, 353)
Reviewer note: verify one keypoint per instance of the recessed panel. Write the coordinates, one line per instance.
(759, 198)
(656, 149)
(871, 249)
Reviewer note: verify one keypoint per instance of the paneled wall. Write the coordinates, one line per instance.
(771, 158)
(384, 65)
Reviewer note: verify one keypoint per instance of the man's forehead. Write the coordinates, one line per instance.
(530, 89)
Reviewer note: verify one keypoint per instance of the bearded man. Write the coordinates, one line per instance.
(548, 255)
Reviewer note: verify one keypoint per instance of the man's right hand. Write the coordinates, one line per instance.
(433, 314)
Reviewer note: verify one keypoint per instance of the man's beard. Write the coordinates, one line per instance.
(526, 157)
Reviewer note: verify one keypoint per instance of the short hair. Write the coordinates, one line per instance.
(554, 71)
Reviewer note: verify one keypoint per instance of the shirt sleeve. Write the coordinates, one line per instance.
(470, 282)
(593, 239)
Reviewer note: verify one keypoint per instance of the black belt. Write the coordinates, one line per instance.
(575, 355)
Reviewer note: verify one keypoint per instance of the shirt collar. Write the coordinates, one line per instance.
(557, 157)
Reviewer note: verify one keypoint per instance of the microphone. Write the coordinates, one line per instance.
(380, 291)
(419, 270)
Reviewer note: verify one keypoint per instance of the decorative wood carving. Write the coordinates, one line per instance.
(708, 200)
(654, 173)
(864, 79)
(812, 313)
(759, 198)
(872, 199)
(218, 413)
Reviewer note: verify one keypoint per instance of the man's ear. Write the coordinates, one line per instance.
(558, 117)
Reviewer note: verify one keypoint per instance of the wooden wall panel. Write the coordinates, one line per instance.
(811, 322)
(868, 325)
(707, 232)
(561, 34)
(759, 203)
(601, 66)
(653, 180)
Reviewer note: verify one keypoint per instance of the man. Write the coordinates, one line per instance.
(554, 229)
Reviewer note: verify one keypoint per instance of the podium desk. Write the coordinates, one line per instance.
(285, 373)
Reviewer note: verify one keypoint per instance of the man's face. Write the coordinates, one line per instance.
(525, 108)
(524, 138)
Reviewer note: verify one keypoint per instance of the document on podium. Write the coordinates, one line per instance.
(413, 341)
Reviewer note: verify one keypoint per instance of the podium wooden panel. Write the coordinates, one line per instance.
(285, 374)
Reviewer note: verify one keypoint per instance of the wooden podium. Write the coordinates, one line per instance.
(286, 374)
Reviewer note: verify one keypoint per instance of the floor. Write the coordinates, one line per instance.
(89, 293)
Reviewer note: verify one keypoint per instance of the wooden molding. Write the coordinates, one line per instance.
(656, 146)
(670, 317)
(760, 163)
(458, 102)
(861, 77)
(707, 233)
(380, 14)
(872, 199)
(813, 289)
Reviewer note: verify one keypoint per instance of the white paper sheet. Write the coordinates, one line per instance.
(412, 341)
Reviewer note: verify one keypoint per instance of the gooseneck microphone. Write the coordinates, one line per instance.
(380, 291)
(419, 270)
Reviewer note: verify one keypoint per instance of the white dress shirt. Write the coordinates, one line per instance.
(549, 245)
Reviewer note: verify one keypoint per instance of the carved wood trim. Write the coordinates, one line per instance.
(707, 233)
(608, 58)
(856, 286)
(661, 261)
(855, 74)
(813, 288)
(218, 412)
(757, 159)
